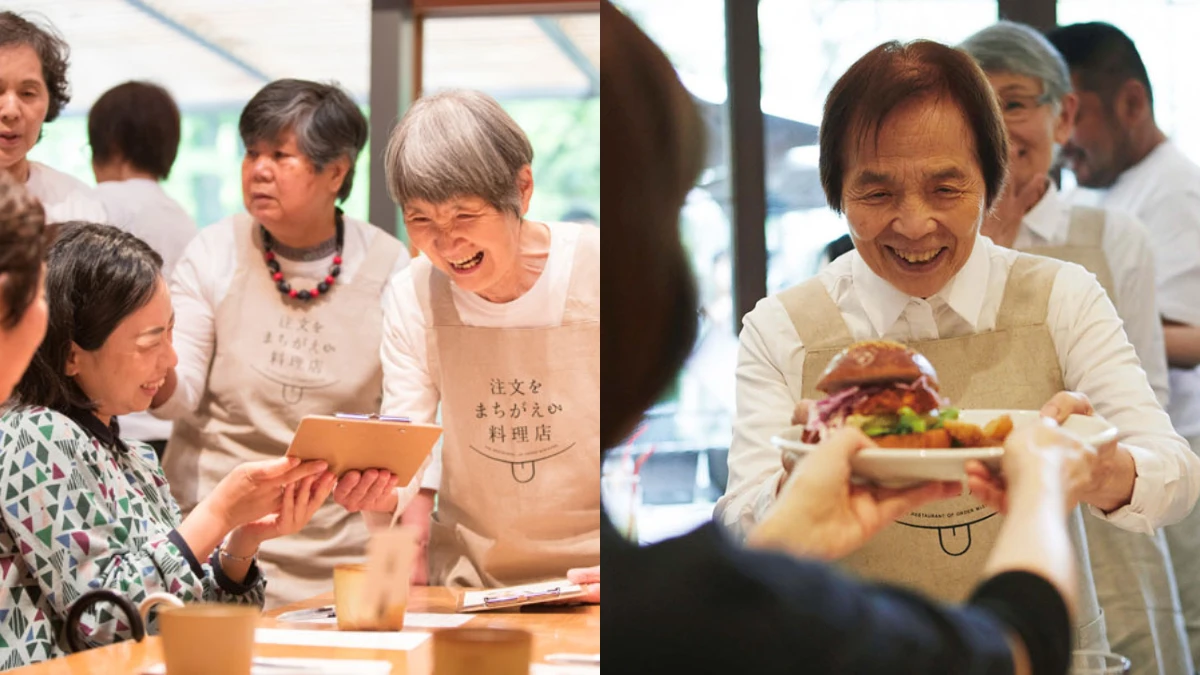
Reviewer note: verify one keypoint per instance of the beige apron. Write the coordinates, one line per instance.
(1135, 581)
(277, 360)
(941, 548)
(520, 493)
(1183, 541)
(1084, 246)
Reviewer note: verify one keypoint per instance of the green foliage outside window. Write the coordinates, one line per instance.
(206, 178)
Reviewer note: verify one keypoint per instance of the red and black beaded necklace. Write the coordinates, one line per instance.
(323, 287)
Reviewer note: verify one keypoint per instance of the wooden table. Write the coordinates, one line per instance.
(555, 629)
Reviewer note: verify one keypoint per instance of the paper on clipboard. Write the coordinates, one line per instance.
(359, 442)
(516, 596)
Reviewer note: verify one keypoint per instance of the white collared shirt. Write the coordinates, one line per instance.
(1163, 190)
(1095, 357)
(1126, 246)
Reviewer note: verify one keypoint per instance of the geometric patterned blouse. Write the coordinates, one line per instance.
(82, 509)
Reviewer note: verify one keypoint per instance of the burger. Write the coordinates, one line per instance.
(888, 391)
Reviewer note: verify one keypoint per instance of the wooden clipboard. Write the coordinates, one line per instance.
(517, 596)
(352, 442)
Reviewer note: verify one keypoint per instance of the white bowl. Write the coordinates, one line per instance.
(904, 466)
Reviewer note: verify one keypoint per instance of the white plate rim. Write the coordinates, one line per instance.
(1109, 434)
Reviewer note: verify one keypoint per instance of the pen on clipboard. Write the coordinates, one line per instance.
(371, 416)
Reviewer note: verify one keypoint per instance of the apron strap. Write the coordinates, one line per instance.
(376, 268)
(1086, 227)
(1027, 292)
(244, 230)
(583, 290)
(424, 279)
(816, 318)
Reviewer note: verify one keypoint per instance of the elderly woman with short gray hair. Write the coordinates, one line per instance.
(498, 323)
(278, 316)
(1132, 570)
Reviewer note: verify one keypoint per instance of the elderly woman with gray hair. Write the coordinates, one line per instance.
(498, 323)
(278, 317)
(1030, 78)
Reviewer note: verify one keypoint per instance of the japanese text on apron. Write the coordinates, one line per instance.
(277, 360)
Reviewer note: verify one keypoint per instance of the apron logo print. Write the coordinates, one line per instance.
(523, 471)
(292, 392)
(955, 539)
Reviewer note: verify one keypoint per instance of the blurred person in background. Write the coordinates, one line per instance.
(1134, 578)
(1117, 147)
(33, 91)
(133, 130)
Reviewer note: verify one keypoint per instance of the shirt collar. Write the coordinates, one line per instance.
(109, 436)
(1045, 218)
(963, 294)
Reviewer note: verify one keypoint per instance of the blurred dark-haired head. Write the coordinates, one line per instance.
(136, 122)
(23, 240)
(652, 152)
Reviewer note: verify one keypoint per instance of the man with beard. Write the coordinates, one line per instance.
(1117, 147)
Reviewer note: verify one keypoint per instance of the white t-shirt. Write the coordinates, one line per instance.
(408, 387)
(1163, 190)
(1094, 355)
(1126, 246)
(141, 207)
(201, 281)
(63, 196)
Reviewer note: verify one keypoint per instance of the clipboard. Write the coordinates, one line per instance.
(357, 442)
(518, 596)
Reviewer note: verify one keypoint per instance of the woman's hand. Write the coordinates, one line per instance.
(1004, 220)
(254, 490)
(589, 579)
(820, 514)
(300, 501)
(1112, 472)
(370, 490)
(1037, 458)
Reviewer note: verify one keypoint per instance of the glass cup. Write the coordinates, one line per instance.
(622, 492)
(482, 651)
(350, 595)
(1085, 662)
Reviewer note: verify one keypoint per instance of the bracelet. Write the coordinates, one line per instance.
(226, 554)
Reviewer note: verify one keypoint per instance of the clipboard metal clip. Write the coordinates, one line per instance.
(371, 416)
(493, 601)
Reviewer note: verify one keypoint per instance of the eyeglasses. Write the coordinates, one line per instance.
(1018, 108)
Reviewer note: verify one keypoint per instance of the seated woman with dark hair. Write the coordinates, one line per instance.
(84, 509)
